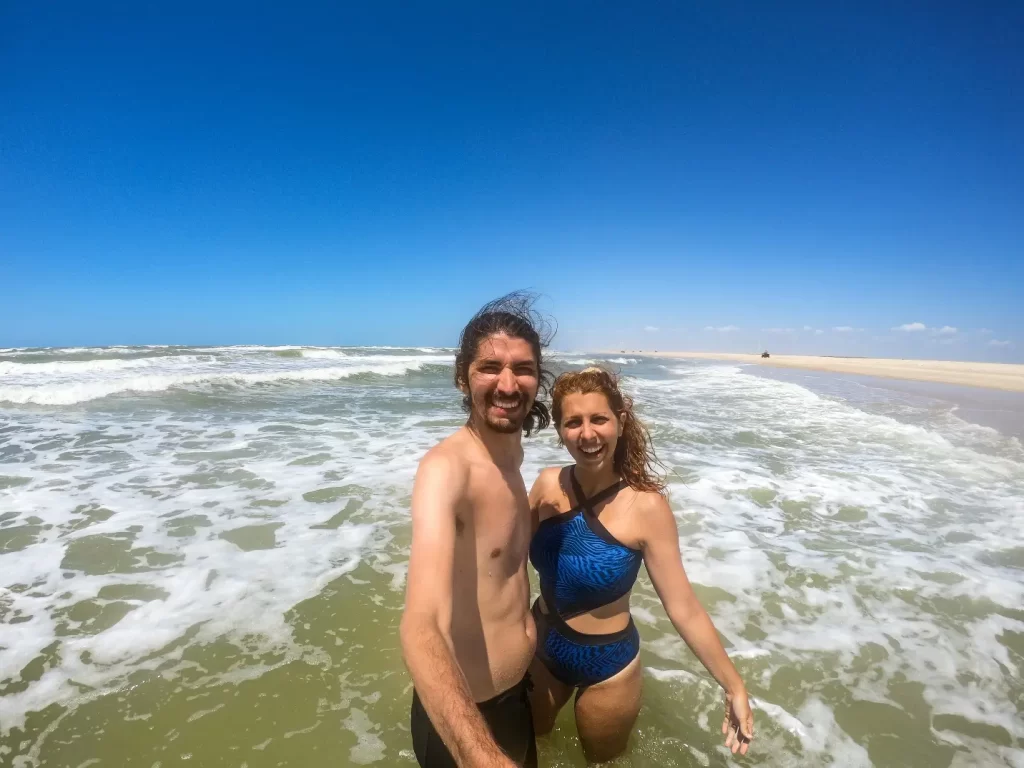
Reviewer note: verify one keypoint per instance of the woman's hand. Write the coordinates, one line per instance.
(738, 725)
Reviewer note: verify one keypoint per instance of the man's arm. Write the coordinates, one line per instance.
(426, 623)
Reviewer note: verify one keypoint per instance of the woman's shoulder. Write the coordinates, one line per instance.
(649, 508)
(645, 499)
(549, 480)
(546, 495)
(550, 473)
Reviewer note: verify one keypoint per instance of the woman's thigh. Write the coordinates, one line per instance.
(547, 697)
(606, 712)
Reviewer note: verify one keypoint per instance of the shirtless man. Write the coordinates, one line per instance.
(467, 633)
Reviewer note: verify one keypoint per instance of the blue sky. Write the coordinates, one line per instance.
(672, 176)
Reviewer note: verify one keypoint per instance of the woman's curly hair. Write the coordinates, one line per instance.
(634, 458)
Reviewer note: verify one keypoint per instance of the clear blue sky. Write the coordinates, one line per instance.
(285, 173)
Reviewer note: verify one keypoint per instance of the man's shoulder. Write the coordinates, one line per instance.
(450, 458)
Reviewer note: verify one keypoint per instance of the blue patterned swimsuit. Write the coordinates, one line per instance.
(582, 567)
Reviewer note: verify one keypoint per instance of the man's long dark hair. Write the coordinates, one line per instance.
(513, 315)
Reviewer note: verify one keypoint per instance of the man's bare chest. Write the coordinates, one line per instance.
(493, 528)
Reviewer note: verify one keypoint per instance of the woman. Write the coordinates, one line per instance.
(594, 523)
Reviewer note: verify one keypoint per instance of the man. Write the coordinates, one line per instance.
(467, 633)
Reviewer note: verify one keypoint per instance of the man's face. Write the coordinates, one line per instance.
(503, 383)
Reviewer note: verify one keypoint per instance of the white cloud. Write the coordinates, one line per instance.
(777, 330)
(946, 330)
(846, 329)
(807, 327)
(997, 343)
(818, 332)
(650, 328)
(722, 328)
(985, 332)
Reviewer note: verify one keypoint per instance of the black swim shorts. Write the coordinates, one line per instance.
(508, 715)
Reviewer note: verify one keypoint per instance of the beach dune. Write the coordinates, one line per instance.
(1002, 376)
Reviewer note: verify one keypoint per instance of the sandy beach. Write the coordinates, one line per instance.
(1002, 376)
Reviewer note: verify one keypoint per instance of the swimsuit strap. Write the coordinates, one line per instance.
(588, 504)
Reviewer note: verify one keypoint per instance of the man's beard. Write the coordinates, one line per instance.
(505, 425)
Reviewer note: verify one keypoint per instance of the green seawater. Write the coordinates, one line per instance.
(212, 573)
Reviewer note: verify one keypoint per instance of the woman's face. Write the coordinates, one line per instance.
(590, 430)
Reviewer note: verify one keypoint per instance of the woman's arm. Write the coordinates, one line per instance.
(541, 492)
(665, 566)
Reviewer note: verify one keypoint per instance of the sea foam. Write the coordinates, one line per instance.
(855, 556)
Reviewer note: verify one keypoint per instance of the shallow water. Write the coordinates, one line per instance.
(203, 551)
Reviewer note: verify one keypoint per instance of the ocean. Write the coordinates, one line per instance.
(203, 554)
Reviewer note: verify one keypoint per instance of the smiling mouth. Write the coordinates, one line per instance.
(507, 404)
(592, 452)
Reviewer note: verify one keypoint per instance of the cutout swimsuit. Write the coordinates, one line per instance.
(582, 567)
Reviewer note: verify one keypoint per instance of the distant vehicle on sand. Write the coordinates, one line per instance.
(765, 354)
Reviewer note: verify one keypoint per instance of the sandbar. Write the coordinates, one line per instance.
(1004, 376)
